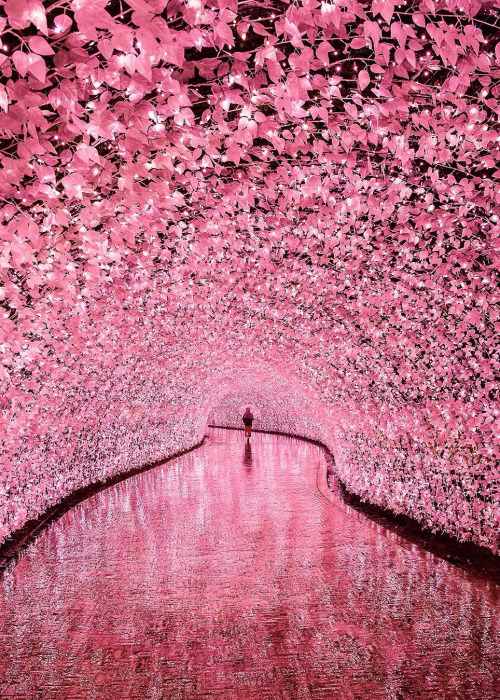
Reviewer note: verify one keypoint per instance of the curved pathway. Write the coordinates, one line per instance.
(226, 574)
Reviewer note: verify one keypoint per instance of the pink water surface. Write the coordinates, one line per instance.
(226, 574)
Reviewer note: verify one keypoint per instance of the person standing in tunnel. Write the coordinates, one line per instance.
(247, 421)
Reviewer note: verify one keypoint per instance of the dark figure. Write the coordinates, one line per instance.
(248, 420)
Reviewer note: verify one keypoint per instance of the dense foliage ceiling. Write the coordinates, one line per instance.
(309, 181)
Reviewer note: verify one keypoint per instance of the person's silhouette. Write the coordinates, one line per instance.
(247, 421)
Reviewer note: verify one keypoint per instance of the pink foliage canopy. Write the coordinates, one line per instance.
(315, 182)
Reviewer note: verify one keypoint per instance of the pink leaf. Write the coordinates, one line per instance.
(387, 10)
(21, 62)
(40, 46)
(363, 79)
(419, 19)
(411, 58)
(224, 31)
(4, 99)
(22, 13)
(62, 23)
(37, 67)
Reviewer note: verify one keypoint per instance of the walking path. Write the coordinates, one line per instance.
(226, 574)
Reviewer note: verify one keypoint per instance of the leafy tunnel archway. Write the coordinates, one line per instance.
(304, 192)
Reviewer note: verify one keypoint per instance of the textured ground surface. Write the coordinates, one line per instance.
(226, 574)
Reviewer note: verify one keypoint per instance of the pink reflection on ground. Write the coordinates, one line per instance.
(225, 573)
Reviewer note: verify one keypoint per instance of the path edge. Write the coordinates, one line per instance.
(472, 558)
(18, 541)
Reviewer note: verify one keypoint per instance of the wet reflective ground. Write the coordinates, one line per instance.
(226, 574)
